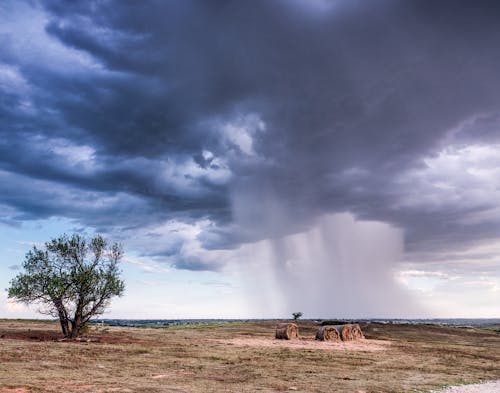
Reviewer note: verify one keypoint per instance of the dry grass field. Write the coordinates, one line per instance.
(242, 357)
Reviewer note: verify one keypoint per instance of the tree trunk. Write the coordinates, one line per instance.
(63, 317)
(78, 321)
(76, 327)
(64, 326)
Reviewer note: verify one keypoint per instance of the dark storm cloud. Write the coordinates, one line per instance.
(353, 97)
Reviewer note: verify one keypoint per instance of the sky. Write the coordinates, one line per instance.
(339, 158)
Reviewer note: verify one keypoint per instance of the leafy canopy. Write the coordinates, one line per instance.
(71, 278)
(297, 315)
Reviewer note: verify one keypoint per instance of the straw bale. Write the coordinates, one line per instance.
(350, 332)
(287, 331)
(328, 333)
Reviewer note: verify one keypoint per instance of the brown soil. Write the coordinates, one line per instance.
(51, 335)
(14, 390)
(242, 357)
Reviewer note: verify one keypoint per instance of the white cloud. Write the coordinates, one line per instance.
(240, 137)
(11, 80)
(240, 132)
(146, 265)
(181, 174)
(23, 34)
(9, 308)
(466, 177)
(76, 156)
(175, 242)
(464, 283)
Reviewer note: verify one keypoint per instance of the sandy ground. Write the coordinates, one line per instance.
(309, 343)
(486, 387)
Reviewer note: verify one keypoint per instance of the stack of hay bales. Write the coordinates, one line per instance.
(287, 331)
(346, 332)
(350, 332)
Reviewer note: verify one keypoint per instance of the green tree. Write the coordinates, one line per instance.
(72, 279)
(296, 315)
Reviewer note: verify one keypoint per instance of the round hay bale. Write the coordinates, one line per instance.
(356, 332)
(350, 332)
(328, 333)
(287, 331)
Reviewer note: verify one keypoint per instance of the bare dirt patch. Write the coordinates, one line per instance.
(85, 389)
(14, 390)
(52, 335)
(310, 343)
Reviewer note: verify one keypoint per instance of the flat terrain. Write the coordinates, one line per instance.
(243, 357)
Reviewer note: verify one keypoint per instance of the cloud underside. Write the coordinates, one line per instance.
(209, 126)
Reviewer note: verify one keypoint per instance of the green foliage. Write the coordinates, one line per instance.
(85, 329)
(71, 278)
(297, 315)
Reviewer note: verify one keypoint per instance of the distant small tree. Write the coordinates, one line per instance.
(296, 315)
(71, 279)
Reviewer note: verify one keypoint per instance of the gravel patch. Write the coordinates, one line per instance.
(485, 387)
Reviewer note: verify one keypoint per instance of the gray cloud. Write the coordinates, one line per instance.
(15, 267)
(160, 119)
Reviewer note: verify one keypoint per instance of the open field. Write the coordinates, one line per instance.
(242, 357)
